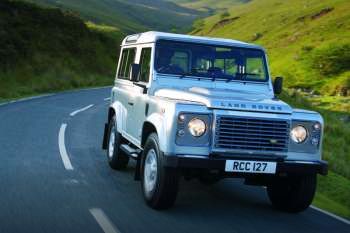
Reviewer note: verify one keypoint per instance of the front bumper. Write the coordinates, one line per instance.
(214, 163)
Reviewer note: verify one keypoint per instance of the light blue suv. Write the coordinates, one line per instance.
(206, 108)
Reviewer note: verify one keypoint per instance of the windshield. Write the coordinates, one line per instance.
(210, 61)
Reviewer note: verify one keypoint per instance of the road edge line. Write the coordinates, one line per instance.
(331, 215)
(52, 94)
(26, 99)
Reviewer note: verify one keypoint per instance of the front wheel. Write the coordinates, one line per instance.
(159, 184)
(292, 194)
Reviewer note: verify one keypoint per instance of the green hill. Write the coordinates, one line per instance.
(209, 5)
(308, 43)
(46, 49)
(130, 15)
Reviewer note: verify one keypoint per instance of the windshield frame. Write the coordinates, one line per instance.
(217, 45)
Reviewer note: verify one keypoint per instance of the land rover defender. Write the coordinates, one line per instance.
(207, 108)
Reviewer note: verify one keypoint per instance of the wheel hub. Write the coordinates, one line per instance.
(111, 143)
(150, 171)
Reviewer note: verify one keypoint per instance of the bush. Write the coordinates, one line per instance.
(331, 60)
(224, 15)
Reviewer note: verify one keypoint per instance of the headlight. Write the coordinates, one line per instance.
(197, 127)
(298, 134)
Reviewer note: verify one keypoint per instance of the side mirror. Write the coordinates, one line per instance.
(134, 73)
(278, 85)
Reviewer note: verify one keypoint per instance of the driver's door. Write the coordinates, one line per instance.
(139, 95)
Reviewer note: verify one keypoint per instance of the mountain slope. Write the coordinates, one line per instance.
(209, 5)
(299, 36)
(130, 16)
(46, 50)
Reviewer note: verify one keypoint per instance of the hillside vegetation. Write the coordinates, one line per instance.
(47, 49)
(130, 15)
(308, 43)
(209, 5)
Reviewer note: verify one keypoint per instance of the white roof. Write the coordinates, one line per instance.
(152, 37)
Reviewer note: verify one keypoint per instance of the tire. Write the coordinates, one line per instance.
(117, 159)
(159, 184)
(293, 194)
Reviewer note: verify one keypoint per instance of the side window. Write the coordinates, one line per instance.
(128, 57)
(145, 63)
(122, 63)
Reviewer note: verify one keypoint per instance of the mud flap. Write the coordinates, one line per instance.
(105, 137)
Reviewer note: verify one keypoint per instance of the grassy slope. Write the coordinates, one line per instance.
(49, 50)
(307, 42)
(130, 16)
(206, 5)
(295, 36)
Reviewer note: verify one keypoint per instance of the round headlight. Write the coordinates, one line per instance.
(298, 134)
(196, 127)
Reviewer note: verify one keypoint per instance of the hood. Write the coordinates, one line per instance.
(227, 99)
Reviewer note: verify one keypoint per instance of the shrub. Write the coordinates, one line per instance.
(331, 60)
(224, 15)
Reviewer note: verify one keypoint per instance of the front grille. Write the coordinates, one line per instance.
(238, 133)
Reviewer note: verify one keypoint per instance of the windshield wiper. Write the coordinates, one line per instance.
(213, 76)
(186, 74)
(243, 76)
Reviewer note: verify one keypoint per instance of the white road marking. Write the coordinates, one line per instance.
(105, 99)
(62, 147)
(81, 110)
(94, 88)
(331, 215)
(104, 222)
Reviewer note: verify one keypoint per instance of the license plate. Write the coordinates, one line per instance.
(250, 166)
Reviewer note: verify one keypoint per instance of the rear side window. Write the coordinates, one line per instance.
(145, 64)
(128, 57)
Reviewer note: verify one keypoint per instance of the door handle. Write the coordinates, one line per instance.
(131, 103)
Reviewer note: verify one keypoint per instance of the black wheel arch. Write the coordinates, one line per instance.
(147, 129)
(111, 114)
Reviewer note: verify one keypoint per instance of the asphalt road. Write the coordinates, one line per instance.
(39, 194)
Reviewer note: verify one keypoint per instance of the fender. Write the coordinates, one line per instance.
(120, 113)
(117, 109)
(158, 121)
